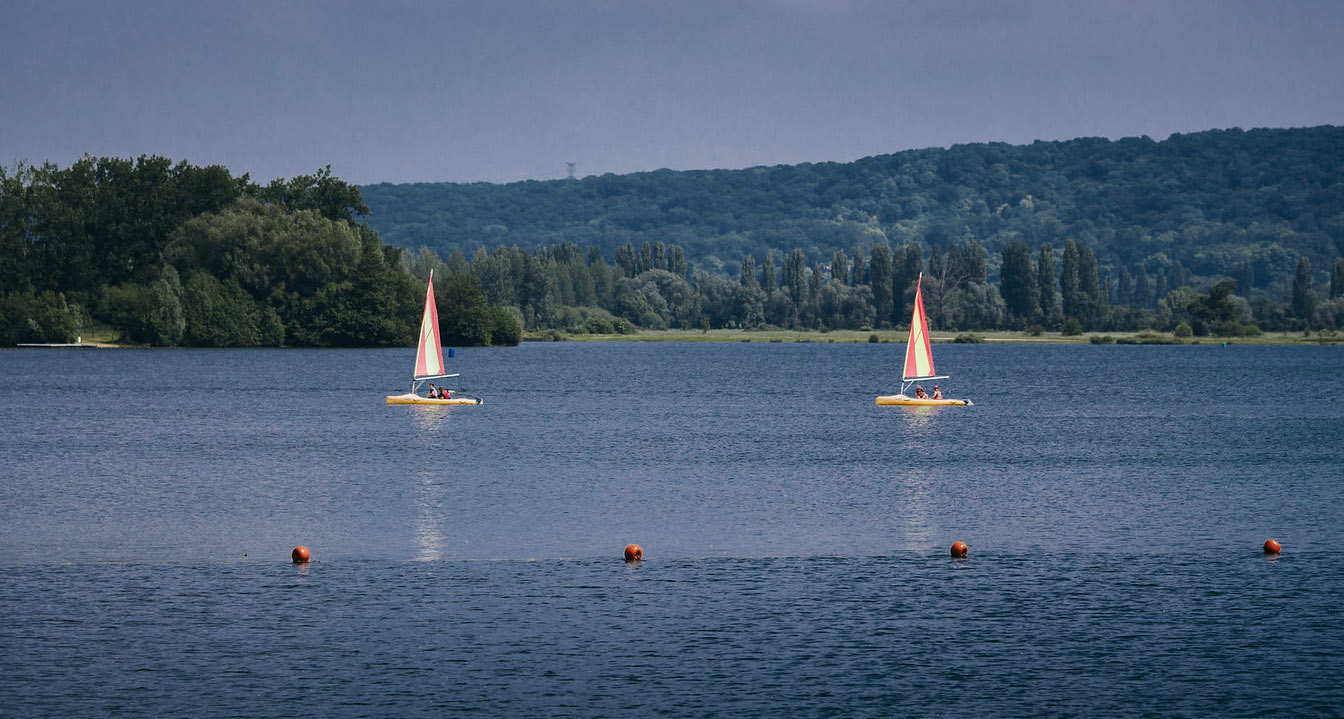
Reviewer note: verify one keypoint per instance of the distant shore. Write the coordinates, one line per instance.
(899, 336)
(861, 336)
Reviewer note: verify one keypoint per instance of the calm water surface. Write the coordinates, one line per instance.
(467, 558)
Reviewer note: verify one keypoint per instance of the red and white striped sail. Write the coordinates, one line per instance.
(918, 351)
(429, 352)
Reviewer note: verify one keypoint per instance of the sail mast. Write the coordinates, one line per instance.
(429, 351)
(918, 351)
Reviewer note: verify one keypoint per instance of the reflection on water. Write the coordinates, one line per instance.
(428, 505)
(432, 424)
(429, 418)
(916, 507)
(918, 420)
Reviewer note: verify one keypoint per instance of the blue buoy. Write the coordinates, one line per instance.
(450, 352)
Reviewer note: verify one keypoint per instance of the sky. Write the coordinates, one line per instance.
(501, 91)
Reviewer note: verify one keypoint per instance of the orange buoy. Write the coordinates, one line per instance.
(1272, 547)
(299, 555)
(959, 550)
(633, 553)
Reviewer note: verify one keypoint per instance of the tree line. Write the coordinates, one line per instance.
(566, 288)
(170, 254)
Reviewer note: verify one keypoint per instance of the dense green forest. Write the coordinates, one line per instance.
(1141, 218)
(177, 255)
(1224, 232)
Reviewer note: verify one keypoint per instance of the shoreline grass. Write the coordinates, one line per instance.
(899, 337)
(105, 338)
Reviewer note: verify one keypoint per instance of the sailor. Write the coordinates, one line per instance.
(919, 392)
(433, 392)
(937, 393)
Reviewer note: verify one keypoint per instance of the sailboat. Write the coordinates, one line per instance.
(918, 360)
(429, 359)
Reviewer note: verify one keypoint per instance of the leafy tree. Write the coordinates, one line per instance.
(148, 314)
(464, 319)
(321, 192)
(1214, 310)
(1337, 279)
(506, 328)
(37, 317)
(980, 306)
(219, 315)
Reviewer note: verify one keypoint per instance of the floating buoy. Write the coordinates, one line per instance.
(959, 550)
(1272, 547)
(299, 555)
(633, 553)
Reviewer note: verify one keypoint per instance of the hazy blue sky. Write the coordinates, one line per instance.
(500, 91)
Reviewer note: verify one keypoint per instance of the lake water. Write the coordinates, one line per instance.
(467, 559)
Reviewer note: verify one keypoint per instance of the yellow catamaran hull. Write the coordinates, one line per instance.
(892, 400)
(417, 399)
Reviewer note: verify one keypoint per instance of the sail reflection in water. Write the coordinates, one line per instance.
(429, 515)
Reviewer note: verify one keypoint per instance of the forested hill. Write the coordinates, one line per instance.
(1212, 201)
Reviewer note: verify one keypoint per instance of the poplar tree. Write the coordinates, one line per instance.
(1045, 276)
(1070, 285)
(625, 260)
(908, 264)
(797, 278)
(1143, 290)
(879, 278)
(601, 274)
(840, 267)
(1018, 281)
(1304, 294)
(1124, 289)
(676, 261)
(747, 275)
(644, 261)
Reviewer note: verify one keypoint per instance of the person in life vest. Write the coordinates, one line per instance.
(444, 393)
(919, 392)
(937, 393)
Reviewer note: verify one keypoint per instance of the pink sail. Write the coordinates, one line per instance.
(429, 352)
(918, 351)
